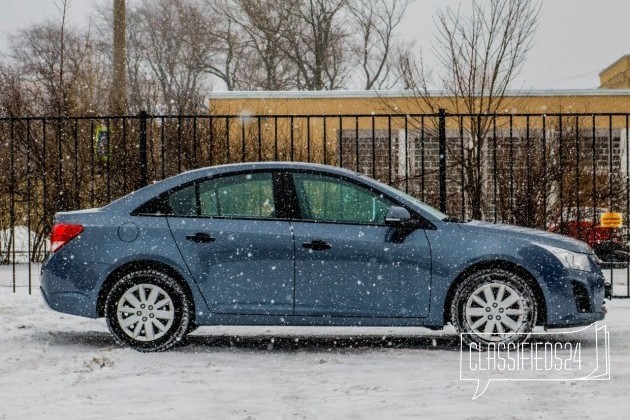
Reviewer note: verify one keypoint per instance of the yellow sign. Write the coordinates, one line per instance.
(611, 220)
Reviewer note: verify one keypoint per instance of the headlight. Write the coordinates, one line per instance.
(569, 259)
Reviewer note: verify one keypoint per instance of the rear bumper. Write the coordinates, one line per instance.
(71, 286)
(70, 303)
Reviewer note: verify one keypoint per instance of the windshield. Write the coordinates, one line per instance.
(424, 206)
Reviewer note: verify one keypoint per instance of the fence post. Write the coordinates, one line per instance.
(442, 158)
(144, 179)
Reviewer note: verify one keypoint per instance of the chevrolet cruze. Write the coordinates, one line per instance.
(279, 243)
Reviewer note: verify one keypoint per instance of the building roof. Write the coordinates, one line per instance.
(329, 94)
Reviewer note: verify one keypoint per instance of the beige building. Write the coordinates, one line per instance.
(392, 135)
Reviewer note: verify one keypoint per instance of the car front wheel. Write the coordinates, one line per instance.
(147, 310)
(493, 306)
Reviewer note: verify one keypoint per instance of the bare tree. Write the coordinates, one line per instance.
(375, 22)
(265, 26)
(172, 43)
(58, 78)
(479, 56)
(319, 45)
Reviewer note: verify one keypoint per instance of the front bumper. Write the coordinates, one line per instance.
(576, 299)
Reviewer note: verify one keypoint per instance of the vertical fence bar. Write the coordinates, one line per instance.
(162, 149)
(594, 170)
(179, 144)
(494, 166)
(462, 175)
(60, 198)
(406, 153)
(243, 151)
(194, 145)
(292, 140)
(544, 189)
(275, 138)
(389, 148)
(75, 134)
(308, 139)
(28, 203)
(422, 152)
(108, 161)
(12, 199)
(373, 147)
(340, 142)
(479, 190)
(356, 143)
(195, 161)
(227, 140)
(511, 168)
(528, 182)
(561, 174)
(124, 154)
(610, 162)
(211, 145)
(610, 174)
(144, 176)
(325, 141)
(442, 158)
(92, 164)
(577, 176)
(259, 140)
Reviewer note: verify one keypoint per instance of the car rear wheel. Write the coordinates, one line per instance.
(147, 310)
(494, 306)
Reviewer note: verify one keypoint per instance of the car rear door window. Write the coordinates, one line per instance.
(237, 196)
(183, 202)
(243, 195)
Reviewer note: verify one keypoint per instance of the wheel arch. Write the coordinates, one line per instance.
(505, 265)
(131, 266)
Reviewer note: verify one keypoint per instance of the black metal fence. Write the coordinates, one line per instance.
(549, 171)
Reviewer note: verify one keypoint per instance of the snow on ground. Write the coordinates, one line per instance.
(57, 366)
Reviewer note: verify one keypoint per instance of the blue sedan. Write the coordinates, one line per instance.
(279, 243)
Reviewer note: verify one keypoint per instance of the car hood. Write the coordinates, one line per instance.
(527, 234)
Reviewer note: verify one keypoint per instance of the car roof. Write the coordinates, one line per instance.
(138, 197)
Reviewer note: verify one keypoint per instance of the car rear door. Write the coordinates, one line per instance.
(237, 248)
(348, 263)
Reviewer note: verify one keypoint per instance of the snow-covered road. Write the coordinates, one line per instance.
(55, 366)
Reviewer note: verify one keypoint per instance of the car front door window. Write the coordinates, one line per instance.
(326, 199)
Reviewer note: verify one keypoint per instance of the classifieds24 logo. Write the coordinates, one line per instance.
(546, 356)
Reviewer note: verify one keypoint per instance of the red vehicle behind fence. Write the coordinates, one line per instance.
(608, 243)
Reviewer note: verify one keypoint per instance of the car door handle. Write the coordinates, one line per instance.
(316, 245)
(200, 237)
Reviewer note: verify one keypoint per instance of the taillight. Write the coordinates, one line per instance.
(62, 233)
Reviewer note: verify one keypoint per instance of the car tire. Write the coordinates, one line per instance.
(148, 311)
(493, 306)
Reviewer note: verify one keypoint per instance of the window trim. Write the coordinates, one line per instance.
(285, 198)
(423, 223)
(160, 203)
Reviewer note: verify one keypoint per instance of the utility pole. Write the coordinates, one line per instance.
(119, 92)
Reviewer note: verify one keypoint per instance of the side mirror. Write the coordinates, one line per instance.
(398, 217)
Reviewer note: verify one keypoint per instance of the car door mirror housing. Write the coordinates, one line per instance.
(398, 217)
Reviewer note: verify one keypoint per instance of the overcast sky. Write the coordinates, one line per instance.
(575, 40)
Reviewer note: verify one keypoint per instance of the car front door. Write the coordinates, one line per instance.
(237, 248)
(348, 262)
